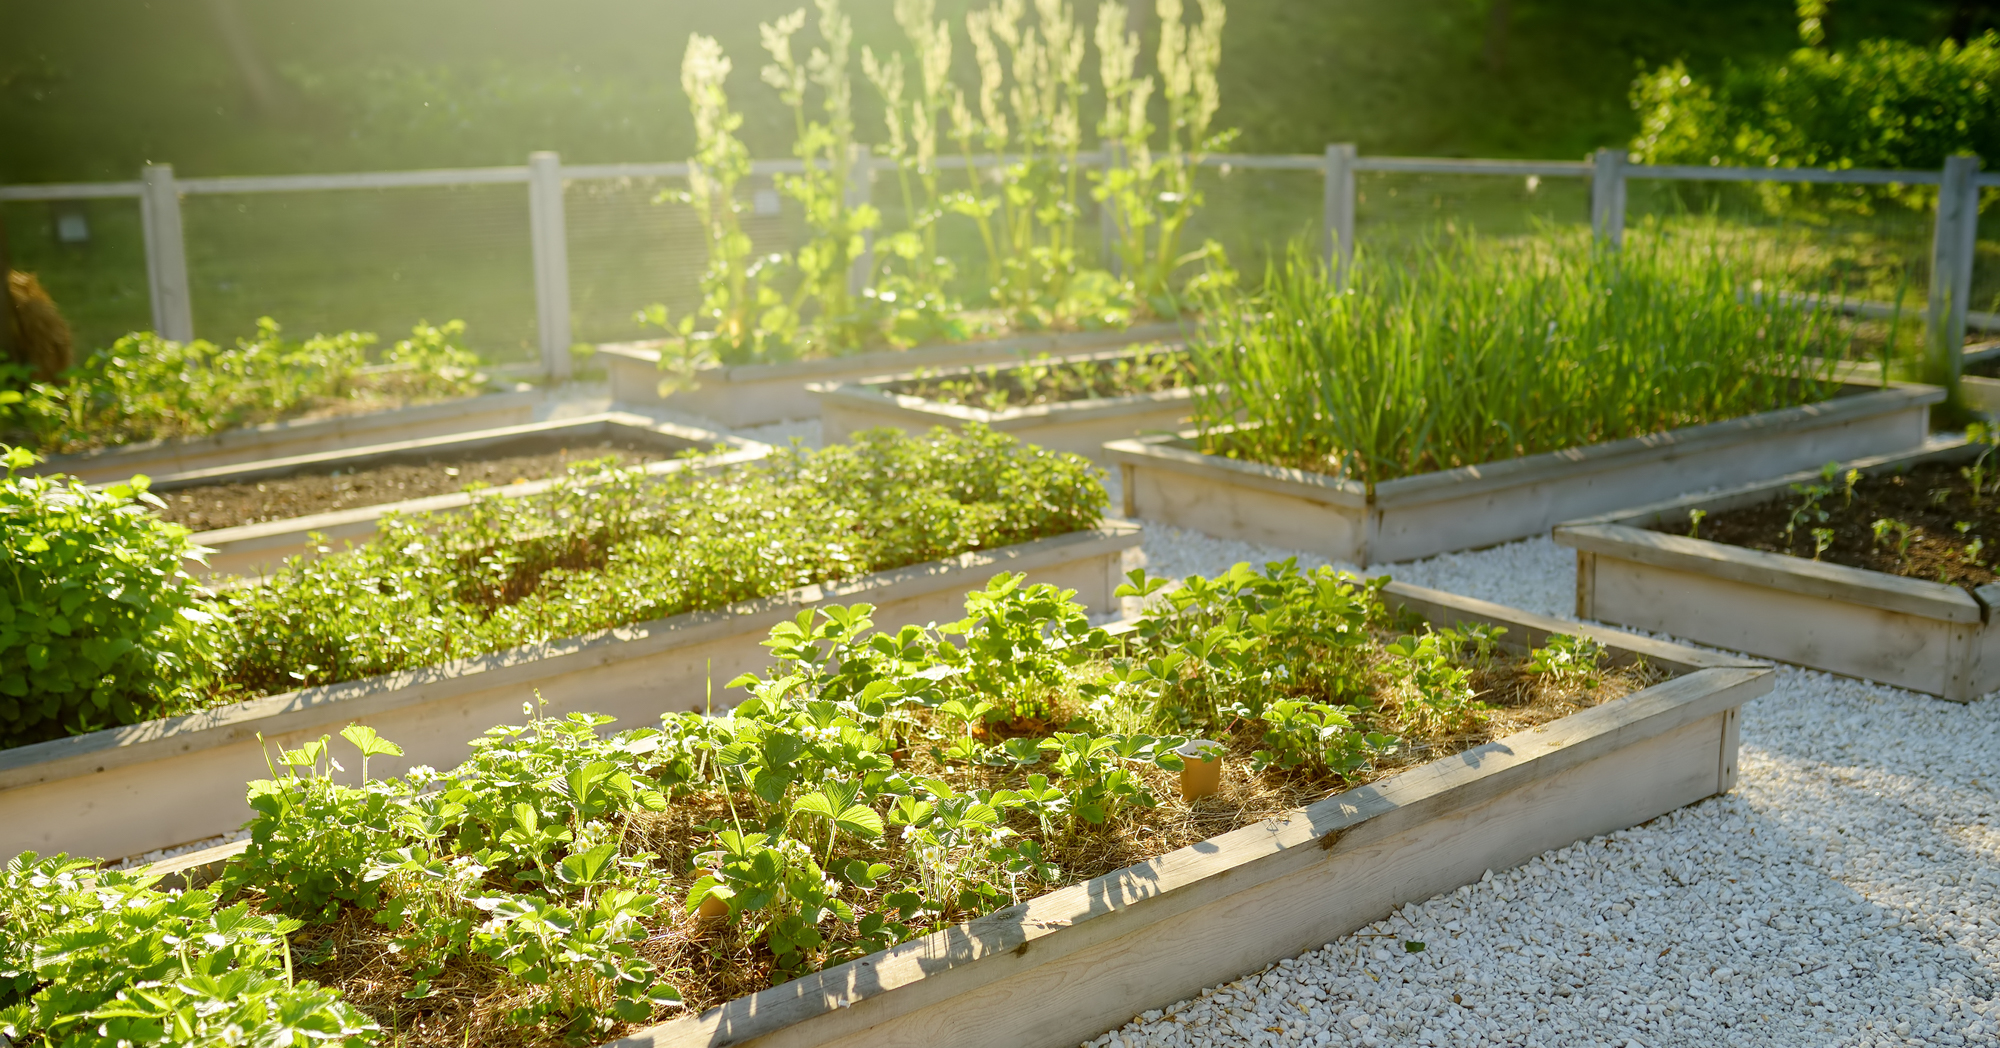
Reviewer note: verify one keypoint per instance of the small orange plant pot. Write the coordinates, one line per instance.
(1201, 768)
(712, 909)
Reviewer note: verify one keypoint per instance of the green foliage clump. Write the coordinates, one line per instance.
(857, 283)
(1475, 350)
(609, 547)
(99, 626)
(872, 787)
(510, 865)
(93, 957)
(1882, 104)
(145, 387)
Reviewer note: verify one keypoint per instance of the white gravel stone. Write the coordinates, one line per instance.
(1846, 892)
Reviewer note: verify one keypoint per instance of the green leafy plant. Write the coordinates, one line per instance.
(1152, 195)
(1975, 475)
(99, 624)
(1877, 104)
(610, 547)
(145, 387)
(95, 957)
(1019, 134)
(1568, 656)
(1809, 510)
(869, 787)
(1904, 535)
(750, 320)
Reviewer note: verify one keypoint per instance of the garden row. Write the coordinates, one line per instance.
(879, 776)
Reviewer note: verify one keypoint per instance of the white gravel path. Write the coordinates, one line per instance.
(1847, 892)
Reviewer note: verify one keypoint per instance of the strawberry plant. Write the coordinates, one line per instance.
(94, 957)
(868, 788)
(144, 387)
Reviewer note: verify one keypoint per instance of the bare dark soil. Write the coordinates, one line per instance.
(216, 506)
(1951, 537)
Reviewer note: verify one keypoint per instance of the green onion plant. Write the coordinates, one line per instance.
(1472, 350)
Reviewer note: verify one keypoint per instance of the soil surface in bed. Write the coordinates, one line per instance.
(1050, 380)
(216, 506)
(1922, 524)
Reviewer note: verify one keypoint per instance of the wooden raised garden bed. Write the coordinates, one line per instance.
(125, 791)
(1081, 425)
(256, 548)
(300, 437)
(1091, 955)
(742, 395)
(1914, 633)
(1167, 480)
(1073, 963)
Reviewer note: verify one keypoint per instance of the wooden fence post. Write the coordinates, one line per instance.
(1607, 198)
(550, 239)
(1337, 212)
(1953, 240)
(166, 254)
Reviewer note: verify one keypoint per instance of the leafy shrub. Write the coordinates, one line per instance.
(610, 547)
(145, 387)
(1883, 104)
(98, 623)
(1476, 350)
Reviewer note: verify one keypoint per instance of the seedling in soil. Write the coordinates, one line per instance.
(1809, 510)
(1975, 474)
(1694, 522)
(1905, 535)
(1822, 539)
(1567, 655)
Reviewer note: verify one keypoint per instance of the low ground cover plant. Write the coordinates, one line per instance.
(1937, 521)
(870, 788)
(144, 387)
(98, 623)
(607, 546)
(1048, 380)
(1474, 350)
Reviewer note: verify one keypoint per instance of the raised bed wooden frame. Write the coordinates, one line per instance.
(1167, 480)
(1063, 968)
(744, 395)
(255, 549)
(130, 790)
(1912, 633)
(302, 437)
(1079, 426)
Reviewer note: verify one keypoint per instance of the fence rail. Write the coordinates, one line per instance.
(1608, 172)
